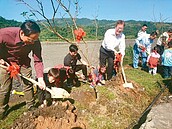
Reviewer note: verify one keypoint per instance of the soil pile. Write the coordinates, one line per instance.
(61, 115)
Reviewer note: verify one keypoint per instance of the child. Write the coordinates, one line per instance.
(167, 61)
(152, 61)
(51, 79)
(98, 76)
(71, 60)
(67, 72)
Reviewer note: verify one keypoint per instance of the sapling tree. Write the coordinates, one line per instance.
(59, 8)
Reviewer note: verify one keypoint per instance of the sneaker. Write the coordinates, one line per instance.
(99, 84)
(102, 82)
(91, 86)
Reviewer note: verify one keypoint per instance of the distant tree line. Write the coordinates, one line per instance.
(131, 28)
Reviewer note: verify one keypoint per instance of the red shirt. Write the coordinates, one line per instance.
(12, 49)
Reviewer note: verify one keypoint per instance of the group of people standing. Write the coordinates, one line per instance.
(151, 55)
(17, 42)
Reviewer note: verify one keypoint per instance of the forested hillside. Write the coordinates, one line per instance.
(7, 23)
(89, 26)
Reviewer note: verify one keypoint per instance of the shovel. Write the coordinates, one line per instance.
(126, 85)
(54, 91)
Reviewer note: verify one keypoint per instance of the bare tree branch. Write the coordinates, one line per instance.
(51, 26)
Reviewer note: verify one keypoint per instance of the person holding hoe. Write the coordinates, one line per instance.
(15, 45)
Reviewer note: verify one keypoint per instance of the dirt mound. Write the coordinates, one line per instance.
(62, 115)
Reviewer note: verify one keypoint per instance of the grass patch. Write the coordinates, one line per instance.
(146, 80)
(104, 91)
(14, 113)
(100, 122)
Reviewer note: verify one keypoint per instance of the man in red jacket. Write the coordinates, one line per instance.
(15, 45)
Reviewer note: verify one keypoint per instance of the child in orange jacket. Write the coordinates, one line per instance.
(153, 60)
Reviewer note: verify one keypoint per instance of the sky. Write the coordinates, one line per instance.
(139, 10)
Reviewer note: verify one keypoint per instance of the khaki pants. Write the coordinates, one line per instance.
(6, 86)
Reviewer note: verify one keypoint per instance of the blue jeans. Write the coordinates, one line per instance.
(167, 71)
(136, 53)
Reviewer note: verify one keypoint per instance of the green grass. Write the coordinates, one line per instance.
(104, 91)
(14, 113)
(144, 79)
(104, 122)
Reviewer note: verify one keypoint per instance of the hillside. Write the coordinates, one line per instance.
(7, 23)
(131, 27)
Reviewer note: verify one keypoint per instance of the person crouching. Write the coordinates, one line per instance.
(51, 80)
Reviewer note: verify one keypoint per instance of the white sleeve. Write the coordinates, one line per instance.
(137, 40)
(122, 46)
(148, 57)
(107, 41)
(148, 48)
(159, 41)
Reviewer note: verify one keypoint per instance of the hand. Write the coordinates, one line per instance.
(2, 61)
(147, 64)
(41, 83)
(116, 52)
(142, 47)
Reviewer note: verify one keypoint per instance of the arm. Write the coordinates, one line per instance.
(137, 40)
(67, 61)
(148, 49)
(148, 58)
(38, 63)
(1, 53)
(122, 46)
(108, 40)
(81, 60)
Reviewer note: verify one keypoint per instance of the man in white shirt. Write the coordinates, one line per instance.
(113, 38)
(142, 31)
(142, 47)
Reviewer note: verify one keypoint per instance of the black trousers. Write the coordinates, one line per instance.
(79, 67)
(43, 95)
(73, 79)
(107, 56)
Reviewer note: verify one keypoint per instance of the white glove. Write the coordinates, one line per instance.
(41, 83)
